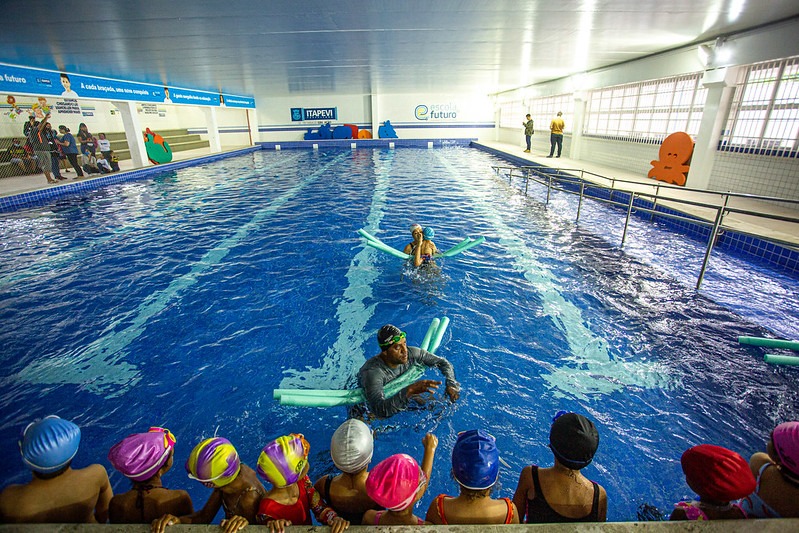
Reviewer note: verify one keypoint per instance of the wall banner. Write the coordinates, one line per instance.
(23, 80)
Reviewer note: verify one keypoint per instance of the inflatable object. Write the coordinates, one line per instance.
(386, 131)
(770, 343)
(342, 132)
(325, 132)
(158, 150)
(354, 129)
(311, 135)
(376, 243)
(331, 398)
(364, 134)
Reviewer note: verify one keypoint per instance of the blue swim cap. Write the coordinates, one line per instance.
(428, 233)
(475, 460)
(48, 445)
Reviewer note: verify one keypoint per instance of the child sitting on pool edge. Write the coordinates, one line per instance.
(215, 463)
(284, 463)
(475, 467)
(719, 476)
(57, 494)
(351, 449)
(144, 458)
(777, 491)
(397, 483)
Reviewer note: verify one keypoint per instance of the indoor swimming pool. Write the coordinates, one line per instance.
(184, 300)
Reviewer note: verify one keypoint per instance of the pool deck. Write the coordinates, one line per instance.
(786, 232)
(720, 526)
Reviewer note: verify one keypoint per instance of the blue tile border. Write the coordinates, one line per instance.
(43, 196)
(365, 143)
(748, 247)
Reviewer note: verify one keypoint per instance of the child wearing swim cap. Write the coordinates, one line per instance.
(144, 458)
(718, 476)
(397, 483)
(475, 467)
(776, 494)
(351, 449)
(284, 463)
(561, 493)
(422, 248)
(57, 493)
(215, 463)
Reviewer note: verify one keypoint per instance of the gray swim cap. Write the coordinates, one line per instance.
(351, 446)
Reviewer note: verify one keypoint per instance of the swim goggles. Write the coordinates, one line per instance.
(169, 437)
(393, 340)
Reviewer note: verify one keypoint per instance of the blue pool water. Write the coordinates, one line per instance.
(184, 300)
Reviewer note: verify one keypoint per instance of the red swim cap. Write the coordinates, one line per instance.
(716, 473)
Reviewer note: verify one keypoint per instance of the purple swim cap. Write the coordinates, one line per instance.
(141, 455)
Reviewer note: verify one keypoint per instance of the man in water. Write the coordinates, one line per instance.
(396, 358)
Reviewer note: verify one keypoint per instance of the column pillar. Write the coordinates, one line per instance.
(212, 124)
(375, 113)
(134, 133)
(580, 103)
(720, 85)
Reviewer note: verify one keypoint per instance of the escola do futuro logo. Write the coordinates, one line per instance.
(436, 111)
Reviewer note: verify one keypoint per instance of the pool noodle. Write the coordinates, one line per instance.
(376, 243)
(325, 399)
(456, 249)
(781, 359)
(436, 341)
(771, 343)
(332, 398)
(458, 246)
(429, 335)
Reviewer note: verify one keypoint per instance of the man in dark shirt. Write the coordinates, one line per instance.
(395, 359)
(34, 131)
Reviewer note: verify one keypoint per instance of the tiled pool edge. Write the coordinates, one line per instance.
(781, 258)
(33, 198)
(710, 526)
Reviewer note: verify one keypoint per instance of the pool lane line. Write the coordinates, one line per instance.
(102, 360)
(591, 370)
(343, 360)
(64, 258)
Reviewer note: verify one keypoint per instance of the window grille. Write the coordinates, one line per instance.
(764, 116)
(646, 111)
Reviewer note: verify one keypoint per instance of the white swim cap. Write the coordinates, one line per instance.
(351, 446)
(414, 227)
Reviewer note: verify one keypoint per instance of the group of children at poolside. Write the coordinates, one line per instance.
(727, 486)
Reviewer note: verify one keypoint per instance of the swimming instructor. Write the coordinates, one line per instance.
(396, 358)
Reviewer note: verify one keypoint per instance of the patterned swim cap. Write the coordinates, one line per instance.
(49, 444)
(351, 446)
(214, 462)
(283, 460)
(139, 456)
(475, 460)
(428, 233)
(395, 481)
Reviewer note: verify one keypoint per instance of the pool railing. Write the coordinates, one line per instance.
(658, 202)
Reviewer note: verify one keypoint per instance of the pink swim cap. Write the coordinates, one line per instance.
(786, 443)
(394, 482)
(141, 455)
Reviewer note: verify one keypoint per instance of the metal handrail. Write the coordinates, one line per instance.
(556, 179)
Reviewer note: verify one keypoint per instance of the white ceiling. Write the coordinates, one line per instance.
(284, 47)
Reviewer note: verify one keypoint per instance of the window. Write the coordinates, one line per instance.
(764, 116)
(646, 111)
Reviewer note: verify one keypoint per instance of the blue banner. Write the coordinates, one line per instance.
(22, 80)
(298, 114)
